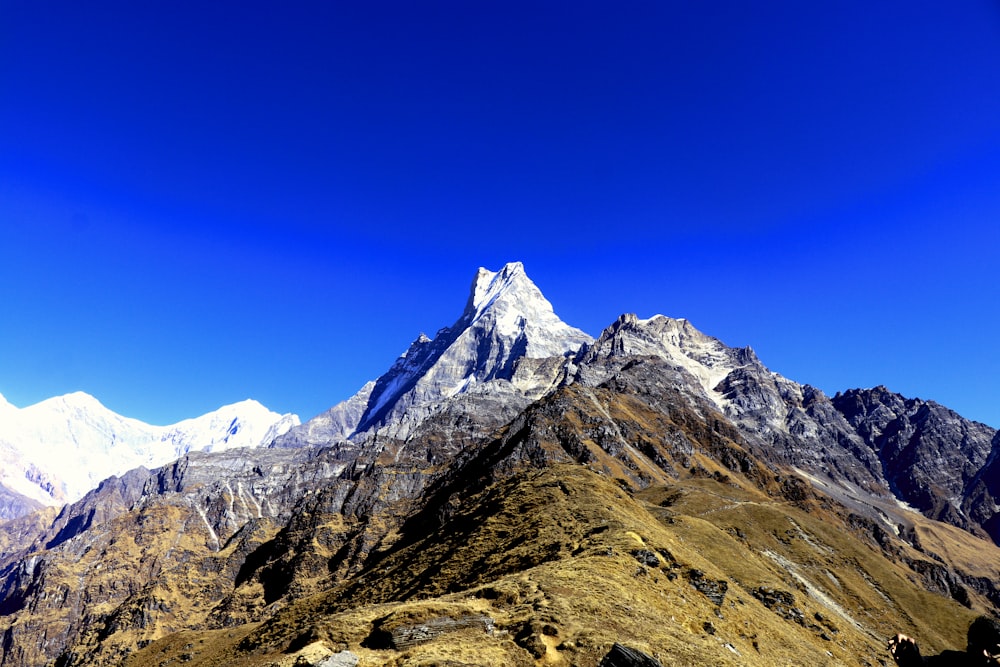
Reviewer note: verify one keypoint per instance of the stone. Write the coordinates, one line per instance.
(342, 659)
(623, 656)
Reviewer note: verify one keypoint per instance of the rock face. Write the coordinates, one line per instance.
(781, 420)
(513, 492)
(623, 656)
(13, 504)
(982, 496)
(55, 451)
(932, 458)
(141, 543)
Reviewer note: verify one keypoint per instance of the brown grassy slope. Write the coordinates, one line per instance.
(728, 537)
(110, 590)
(564, 562)
(15, 533)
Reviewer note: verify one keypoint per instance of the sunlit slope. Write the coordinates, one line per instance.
(554, 566)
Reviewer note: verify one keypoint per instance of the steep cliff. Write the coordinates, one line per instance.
(933, 459)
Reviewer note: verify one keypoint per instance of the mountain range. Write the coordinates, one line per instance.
(53, 452)
(513, 491)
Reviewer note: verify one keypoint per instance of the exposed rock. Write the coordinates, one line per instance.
(780, 420)
(623, 656)
(981, 501)
(505, 320)
(342, 659)
(57, 450)
(646, 557)
(714, 590)
(781, 603)
(400, 634)
(447, 485)
(932, 458)
(13, 504)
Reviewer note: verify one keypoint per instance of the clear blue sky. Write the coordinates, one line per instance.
(202, 202)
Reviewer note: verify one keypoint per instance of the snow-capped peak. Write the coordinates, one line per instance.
(506, 318)
(489, 285)
(513, 305)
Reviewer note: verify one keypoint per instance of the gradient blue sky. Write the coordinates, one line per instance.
(202, 202)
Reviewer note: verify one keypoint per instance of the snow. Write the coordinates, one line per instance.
(57, 450)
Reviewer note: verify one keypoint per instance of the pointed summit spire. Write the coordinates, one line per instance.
(490, 284)
(506, 318)
(508, 302)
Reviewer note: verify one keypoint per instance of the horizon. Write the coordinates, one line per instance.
(202, 205)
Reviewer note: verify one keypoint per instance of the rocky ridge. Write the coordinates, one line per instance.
(933, 459)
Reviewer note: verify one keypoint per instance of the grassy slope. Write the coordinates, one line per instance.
(550, 557)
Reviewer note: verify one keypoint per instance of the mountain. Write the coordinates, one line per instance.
(506, 322)
(514, 492)
(55, 451)
(933, 459)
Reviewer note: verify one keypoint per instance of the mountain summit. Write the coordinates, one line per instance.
(510, 305)
(505, 321)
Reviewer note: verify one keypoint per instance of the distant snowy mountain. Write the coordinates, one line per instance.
(55, 451)
(506, 320)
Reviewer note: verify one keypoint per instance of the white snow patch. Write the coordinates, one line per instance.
(211, 531)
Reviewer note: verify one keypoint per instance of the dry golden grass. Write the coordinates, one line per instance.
(551, 558)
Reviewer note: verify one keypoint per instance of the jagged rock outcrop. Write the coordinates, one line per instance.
(933, 459)
(782, 421)
(701, 360)
(982, 495)
(137, 545)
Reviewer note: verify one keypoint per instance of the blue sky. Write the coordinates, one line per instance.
(205, 202)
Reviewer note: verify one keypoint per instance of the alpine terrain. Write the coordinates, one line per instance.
(513, 491)
(55, 451)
